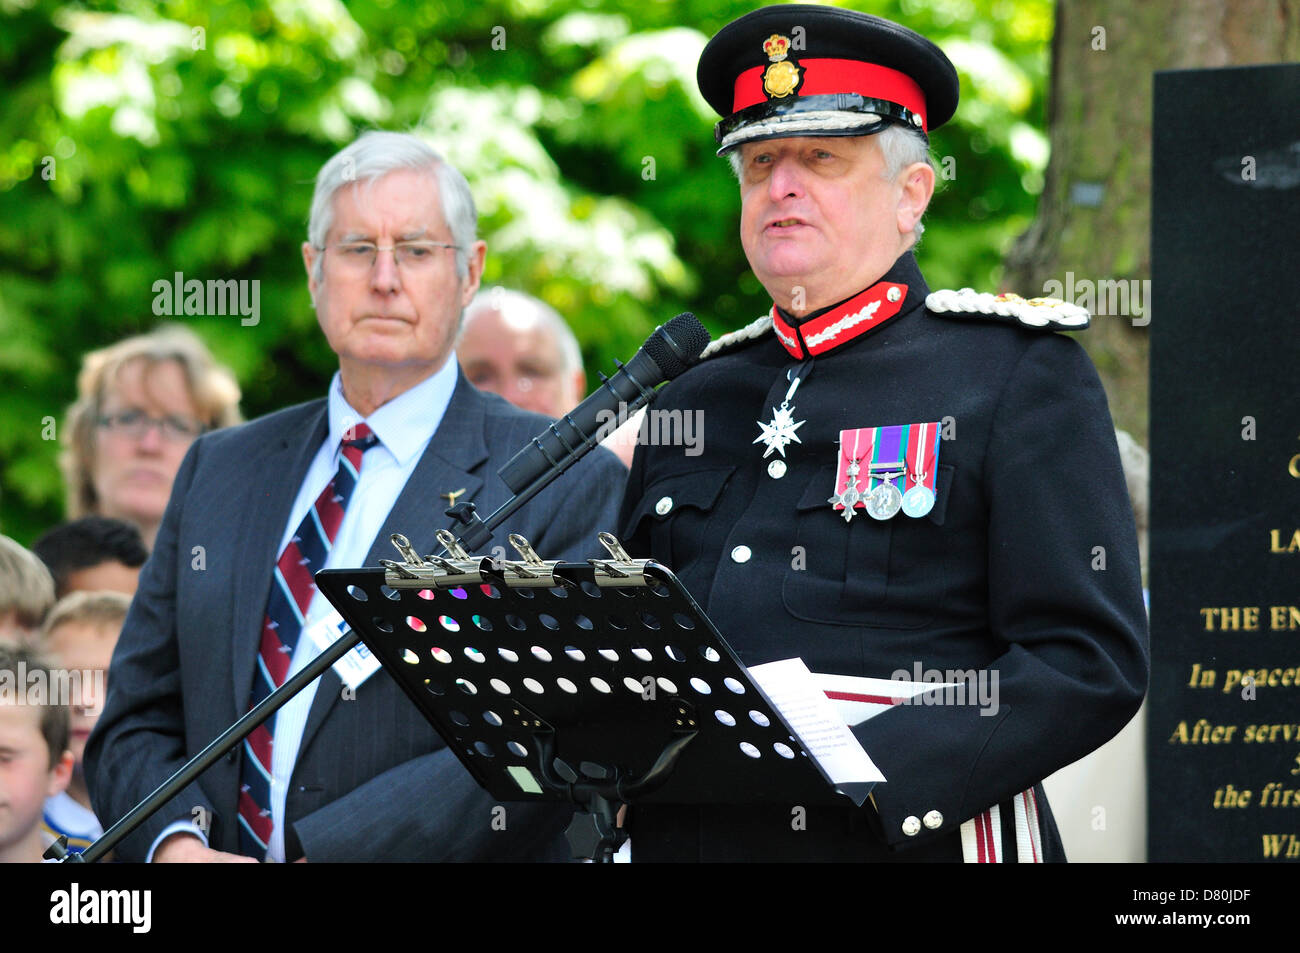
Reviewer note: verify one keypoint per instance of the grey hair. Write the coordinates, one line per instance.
(376, 154)
(507, 302)
(900, 146)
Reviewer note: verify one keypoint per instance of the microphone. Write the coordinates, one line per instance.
(669, 351)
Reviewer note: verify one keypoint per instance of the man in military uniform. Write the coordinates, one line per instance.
(891, 480)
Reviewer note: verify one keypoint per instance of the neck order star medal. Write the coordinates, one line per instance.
(779, 433)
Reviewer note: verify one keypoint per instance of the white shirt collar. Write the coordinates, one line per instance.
(405, 424)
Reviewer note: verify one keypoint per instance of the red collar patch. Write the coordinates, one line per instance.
(854, 317)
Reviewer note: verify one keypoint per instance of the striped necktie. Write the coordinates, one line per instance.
(291, 593)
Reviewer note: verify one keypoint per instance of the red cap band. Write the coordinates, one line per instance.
(829, 76)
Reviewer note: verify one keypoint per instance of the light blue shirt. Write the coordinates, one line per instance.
(404, 427)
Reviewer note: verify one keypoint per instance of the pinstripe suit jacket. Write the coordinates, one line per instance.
(373, 781)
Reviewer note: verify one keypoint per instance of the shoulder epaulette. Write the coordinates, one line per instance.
(750, 331)
(1042, 314)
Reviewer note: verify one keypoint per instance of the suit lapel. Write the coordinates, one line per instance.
(452, 461)
(285, 465)
(449, 463)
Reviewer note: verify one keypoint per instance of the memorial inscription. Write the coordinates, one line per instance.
(1224, 709)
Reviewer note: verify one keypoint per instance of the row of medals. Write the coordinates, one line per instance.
(885, 500)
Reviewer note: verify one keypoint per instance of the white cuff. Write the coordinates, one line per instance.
(179, 827)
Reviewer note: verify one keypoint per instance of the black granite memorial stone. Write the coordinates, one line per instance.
(1224, 709)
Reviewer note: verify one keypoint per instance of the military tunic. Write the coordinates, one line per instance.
(1026, 567)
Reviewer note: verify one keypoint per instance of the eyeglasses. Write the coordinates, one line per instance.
(411, 256)
(136, 423)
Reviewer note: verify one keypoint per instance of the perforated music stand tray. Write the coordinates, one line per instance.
(544, 677)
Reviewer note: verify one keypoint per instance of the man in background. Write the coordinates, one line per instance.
(518, 346)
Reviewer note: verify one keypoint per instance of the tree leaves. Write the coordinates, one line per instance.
(145, 138)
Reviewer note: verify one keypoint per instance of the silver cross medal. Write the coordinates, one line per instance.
(780, 432)
(850, 497)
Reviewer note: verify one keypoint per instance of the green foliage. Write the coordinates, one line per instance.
(140, 138)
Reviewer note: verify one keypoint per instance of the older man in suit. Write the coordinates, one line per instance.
(226, 609)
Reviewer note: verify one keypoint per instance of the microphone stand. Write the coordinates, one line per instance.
(475, 533)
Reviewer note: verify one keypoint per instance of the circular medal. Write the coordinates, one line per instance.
(918, 501)
(884, 501)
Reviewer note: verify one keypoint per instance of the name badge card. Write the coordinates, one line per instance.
(353, 668)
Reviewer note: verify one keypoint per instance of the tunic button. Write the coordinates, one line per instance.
(911, 826)
(776, 469)
(933, 820)
(664, 505)
(741, 554)
(893, 294)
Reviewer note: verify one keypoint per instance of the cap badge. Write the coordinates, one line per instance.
(782, 77)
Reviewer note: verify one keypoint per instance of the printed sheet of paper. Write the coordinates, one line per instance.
(795, 693)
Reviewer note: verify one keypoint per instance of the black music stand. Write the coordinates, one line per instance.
(597, 684)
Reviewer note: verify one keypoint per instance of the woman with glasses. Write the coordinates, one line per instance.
(140, 404)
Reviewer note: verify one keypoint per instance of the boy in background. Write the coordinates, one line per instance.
(26, 591)
(94, 552)
(35, 762)
(81, 632)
